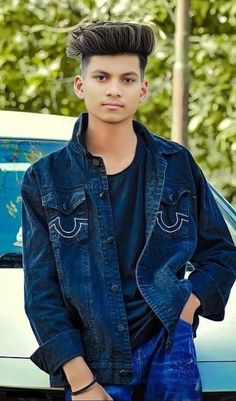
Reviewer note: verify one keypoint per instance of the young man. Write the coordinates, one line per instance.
(109, 223)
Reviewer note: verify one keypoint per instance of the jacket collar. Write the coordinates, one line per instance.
(153, 142)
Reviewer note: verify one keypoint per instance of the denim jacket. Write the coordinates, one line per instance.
(70, 257)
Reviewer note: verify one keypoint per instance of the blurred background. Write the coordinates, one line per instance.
(36, 75)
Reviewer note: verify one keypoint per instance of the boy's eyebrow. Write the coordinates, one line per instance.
(106, 73)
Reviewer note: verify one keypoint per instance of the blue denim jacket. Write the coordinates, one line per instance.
(70, 257)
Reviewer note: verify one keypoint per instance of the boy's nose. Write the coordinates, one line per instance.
(113, 90)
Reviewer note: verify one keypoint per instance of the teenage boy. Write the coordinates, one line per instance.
(109, 223)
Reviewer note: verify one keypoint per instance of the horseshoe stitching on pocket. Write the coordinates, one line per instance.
(78, 223)
(180, 219)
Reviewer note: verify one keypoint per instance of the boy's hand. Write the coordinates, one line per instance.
(94, 393)
(190, 308)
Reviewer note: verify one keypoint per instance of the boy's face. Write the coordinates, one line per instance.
(111, 87)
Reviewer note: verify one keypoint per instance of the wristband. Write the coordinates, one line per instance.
(84, 388)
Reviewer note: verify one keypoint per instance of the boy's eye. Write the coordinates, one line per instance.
(128, 80)
(100, 77)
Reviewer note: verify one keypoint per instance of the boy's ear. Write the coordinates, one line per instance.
(79, 86)
(143, 91)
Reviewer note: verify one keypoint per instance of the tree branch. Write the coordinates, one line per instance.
(169, 10)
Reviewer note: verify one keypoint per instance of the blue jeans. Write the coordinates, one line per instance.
(160, 375)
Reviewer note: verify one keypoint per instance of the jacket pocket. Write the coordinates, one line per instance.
(67, 216)
(173, 216)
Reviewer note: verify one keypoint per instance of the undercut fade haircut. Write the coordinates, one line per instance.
(111, 38)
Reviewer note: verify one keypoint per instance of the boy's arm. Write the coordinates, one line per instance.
(58, 340)
(214, 258)
(77, 372)
(190, 308)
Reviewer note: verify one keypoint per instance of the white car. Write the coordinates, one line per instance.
(24, 137)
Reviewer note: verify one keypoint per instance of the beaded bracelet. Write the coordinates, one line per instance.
(84, 388)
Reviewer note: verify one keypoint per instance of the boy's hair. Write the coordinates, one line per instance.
(107, 38)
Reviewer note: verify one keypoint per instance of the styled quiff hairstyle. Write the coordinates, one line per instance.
(107, 38)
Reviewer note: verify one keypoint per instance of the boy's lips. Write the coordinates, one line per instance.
(113, 106)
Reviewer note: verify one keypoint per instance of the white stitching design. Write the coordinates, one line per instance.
(78, 223)
(180, 219)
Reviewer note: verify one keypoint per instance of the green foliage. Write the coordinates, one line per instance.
(35, 74)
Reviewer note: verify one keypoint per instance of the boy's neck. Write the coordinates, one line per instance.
(114, 142)
(115, 139)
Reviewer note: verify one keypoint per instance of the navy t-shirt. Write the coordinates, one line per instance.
(127, 196)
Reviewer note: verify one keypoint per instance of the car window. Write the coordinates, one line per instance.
(16, 155)
(227, 210)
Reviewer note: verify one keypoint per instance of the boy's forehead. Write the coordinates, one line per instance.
(118, 63)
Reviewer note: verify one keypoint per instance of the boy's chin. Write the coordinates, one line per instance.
(111, 118)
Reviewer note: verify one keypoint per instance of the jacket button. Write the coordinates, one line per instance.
(123, 373)
(120, 328)
(110, 240)
(114, 288)
(102, 195)
(64, 206)
(96, 162)
(171, 197)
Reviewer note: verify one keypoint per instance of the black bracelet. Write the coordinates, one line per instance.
(84, 388)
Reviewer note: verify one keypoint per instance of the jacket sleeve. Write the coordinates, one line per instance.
(214, 258)
(58, 340)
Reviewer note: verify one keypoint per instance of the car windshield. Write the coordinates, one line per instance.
(16, 155)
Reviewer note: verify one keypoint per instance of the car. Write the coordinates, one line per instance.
(24, 137)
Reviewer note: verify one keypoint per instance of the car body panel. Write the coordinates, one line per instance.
(15, 124)
(212, 340)
(23, 374)
(218, 376)
(215, 342)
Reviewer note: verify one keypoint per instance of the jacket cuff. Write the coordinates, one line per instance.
(58, 350)
(206, 289)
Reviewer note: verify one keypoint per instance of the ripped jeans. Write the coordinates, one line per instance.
(160, 375)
